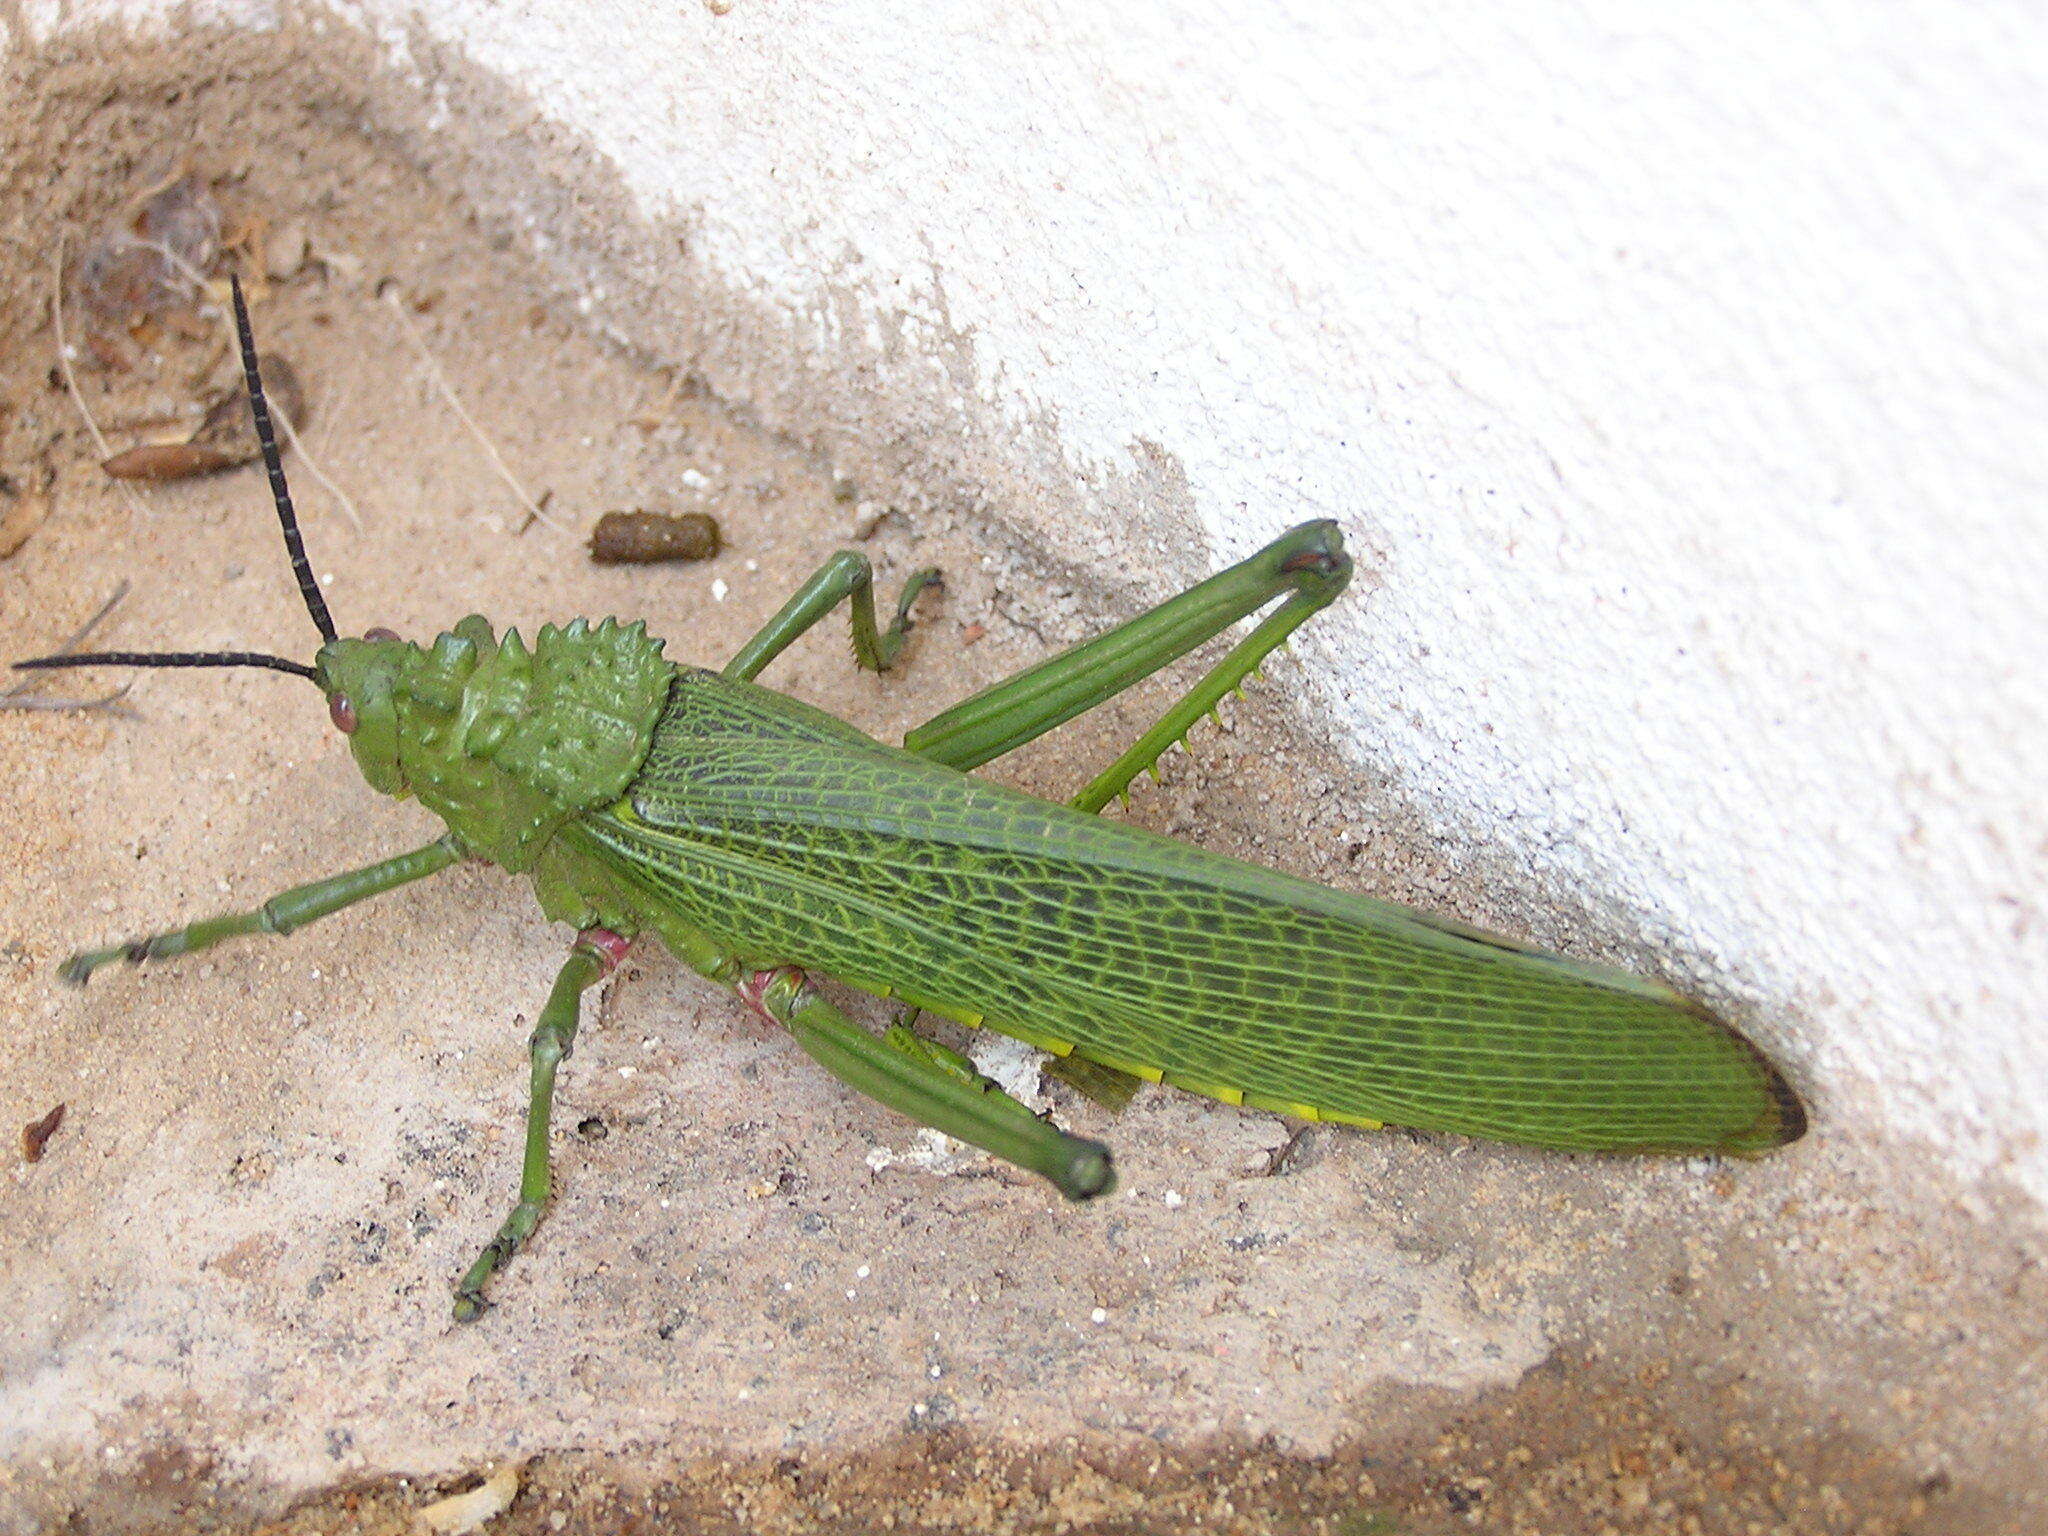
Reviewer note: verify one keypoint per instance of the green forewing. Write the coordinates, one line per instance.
(790, 837)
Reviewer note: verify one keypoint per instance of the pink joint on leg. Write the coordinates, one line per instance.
(753, 988)
(610, 948)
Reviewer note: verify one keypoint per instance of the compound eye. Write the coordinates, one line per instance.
(342, 713)
(380, 633)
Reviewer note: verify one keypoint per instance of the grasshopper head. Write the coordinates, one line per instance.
(359, 677)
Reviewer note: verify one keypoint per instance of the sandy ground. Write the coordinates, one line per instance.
(756, 1305)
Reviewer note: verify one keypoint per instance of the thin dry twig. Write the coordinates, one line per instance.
(184, 268)
(135, 502)
(534, 510)
(84, 631)
(19, 697)
(312, 466)
(38, 701)
(339, 398)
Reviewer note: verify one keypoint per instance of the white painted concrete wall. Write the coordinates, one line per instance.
(1683, 370)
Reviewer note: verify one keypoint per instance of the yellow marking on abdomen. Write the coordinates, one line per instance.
(1049, 1043)
(1118, 1064)
(1275, 1106)
(1234, 1096)
(1210, 1090)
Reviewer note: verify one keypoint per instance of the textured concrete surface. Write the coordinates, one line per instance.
(228, 1275)
(1682, 374)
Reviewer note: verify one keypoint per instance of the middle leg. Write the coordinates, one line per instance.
(593, 956)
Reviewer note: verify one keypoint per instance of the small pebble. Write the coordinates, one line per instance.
(285, 251)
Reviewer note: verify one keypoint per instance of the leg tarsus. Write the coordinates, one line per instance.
(470, 1303)
(878, 652)
(592, 957)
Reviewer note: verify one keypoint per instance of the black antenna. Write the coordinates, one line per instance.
(169, 659)
(280, 493)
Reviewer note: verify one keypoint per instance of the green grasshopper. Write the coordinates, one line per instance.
(762, 840)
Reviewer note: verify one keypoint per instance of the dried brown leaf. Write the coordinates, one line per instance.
(171, 461)
(35, 1136)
